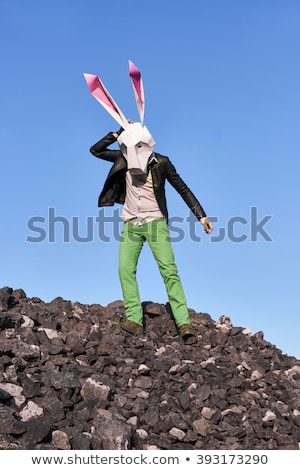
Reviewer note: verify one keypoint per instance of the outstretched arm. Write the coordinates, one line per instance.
(188, 196)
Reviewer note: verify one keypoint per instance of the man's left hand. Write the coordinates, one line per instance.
(208, 227)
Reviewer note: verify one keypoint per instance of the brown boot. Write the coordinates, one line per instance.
(186, 331)
(130, 327)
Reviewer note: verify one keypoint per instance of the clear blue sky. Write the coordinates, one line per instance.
(221, 81)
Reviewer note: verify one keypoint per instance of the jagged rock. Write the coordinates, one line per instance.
(6, 298)
(93, 389)
(112, 435)
(60, 440)
(37, 430)
(31, 410)
(201, 426)
(81, 441)
(70, 379)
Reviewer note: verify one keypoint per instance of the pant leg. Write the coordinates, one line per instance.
(158, 238)
(130, 247)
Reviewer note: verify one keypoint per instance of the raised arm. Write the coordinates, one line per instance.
(100, 149)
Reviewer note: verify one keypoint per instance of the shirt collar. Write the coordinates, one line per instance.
(152, 158)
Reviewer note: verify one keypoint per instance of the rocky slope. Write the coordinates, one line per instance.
(69, 379)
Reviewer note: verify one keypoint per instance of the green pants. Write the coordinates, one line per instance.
(157, 235)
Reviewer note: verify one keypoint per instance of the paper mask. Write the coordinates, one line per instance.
(136, 143)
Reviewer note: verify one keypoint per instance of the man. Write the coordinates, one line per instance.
(138, 182)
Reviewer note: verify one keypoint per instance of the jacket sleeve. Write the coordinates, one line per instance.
(180, 186)
(100, 150)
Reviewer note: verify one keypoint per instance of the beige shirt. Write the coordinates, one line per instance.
(140, 203)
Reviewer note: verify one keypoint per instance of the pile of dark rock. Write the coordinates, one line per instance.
(70, 379)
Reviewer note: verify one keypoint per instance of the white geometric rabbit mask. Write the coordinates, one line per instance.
(136, 143)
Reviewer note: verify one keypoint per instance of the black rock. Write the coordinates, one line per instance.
(71, 379)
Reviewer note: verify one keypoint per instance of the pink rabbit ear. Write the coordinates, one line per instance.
(137, 83)
(101, 94)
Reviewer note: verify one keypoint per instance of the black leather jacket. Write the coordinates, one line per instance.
(114, 189)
